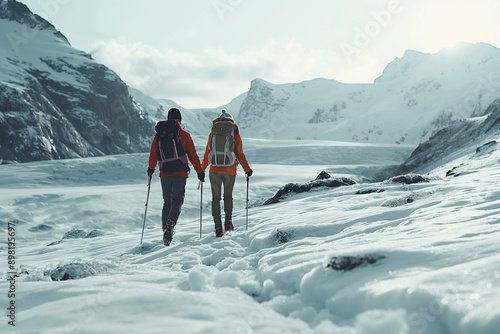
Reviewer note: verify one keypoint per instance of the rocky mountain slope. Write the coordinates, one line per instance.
(56, 101)
(456, 141)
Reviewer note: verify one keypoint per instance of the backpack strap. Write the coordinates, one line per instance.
(213, 149)
(226, 146)
(162, 154)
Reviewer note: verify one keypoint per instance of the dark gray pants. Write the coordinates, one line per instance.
(173, 188)
(217, 181)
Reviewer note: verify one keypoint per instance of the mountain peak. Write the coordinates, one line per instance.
(13, 10)
(467, 47)
(402, 67)
(462, 57)
(258, 82)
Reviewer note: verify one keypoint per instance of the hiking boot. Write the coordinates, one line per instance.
(218, 231)
(169, 232)
(228, 225)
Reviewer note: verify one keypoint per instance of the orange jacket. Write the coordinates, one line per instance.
(187, 143)
(231, 170)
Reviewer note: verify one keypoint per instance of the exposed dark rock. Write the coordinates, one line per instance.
(454, 171)
(402, 200)
(78, 234)
(282, 236)
(323, 176)
(296, 188)
(409, 179)
(486, 148)
(75, 270)
(332, 114)
(369, 191)
(75, 234)
(94, 234)
(347, 263)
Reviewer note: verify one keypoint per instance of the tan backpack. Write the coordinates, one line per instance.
(221, 143)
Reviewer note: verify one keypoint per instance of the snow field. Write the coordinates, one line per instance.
(437, 267)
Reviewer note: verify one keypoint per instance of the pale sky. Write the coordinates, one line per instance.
(203, 53)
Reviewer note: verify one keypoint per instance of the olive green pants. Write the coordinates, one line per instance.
(218, 182)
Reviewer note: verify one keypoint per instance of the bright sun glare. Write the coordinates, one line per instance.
(445, 23)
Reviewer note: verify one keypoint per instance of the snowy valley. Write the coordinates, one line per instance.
(408, 243)
(372, 257)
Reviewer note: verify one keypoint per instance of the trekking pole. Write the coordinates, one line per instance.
(248, 179)
(146, 210)
(201, 204)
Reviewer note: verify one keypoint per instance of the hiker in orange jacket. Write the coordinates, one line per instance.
(225, 177)
(173, 185)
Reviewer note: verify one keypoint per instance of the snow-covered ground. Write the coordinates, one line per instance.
(430, 250)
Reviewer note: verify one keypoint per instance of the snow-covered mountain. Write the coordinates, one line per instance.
(415, 97)
(57, 102)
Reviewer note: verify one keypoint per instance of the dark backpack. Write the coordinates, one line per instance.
(171, 155)
(222, 143)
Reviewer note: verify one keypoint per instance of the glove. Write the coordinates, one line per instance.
(150, 171)
(201, 176)
(249, 173)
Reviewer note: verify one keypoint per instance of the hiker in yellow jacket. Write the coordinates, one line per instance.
(223, 162)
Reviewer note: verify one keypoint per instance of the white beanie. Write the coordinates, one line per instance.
(225, 114)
